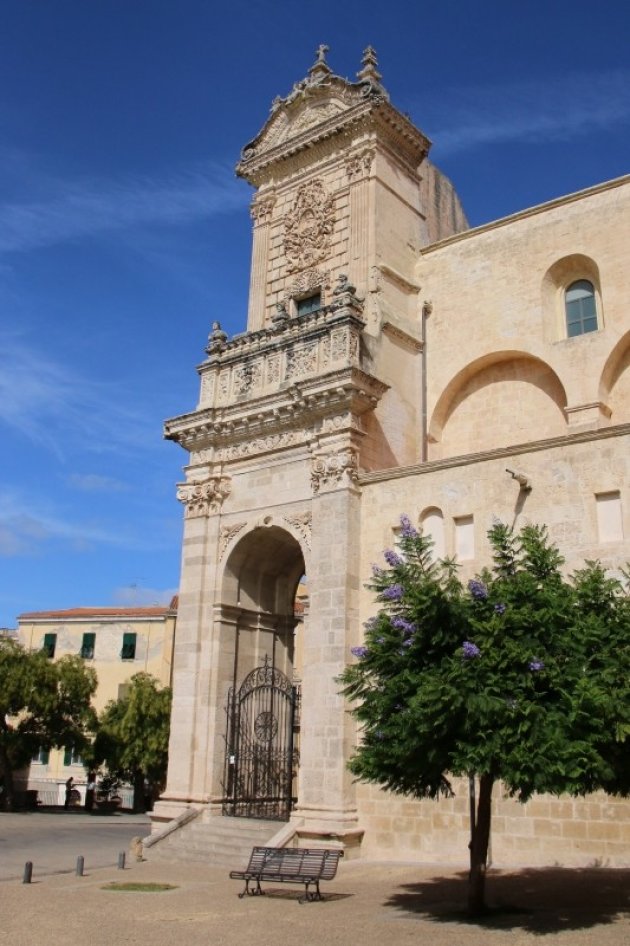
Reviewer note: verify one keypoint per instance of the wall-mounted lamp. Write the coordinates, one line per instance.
(521, 479)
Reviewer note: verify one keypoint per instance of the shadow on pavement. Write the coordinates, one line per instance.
(539, 901)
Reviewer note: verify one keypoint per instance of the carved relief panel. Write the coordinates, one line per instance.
(308, 226)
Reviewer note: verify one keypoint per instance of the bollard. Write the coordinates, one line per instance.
(121, 861)
(80, 862)
(28, 872)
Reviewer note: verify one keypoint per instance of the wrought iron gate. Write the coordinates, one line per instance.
(261, 746)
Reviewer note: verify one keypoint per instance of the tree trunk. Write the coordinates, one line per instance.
(138, 791)
(7, 798)
(479, 848)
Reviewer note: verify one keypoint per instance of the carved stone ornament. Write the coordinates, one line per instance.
(302, 522)
(358, 166)
(308, 226)
(227, 534)
(336, 469)
(202, 497)
(262, 209)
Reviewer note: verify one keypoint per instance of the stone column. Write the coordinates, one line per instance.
(326, 792)
(199, 638)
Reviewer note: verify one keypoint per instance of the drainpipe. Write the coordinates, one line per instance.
(427, 309)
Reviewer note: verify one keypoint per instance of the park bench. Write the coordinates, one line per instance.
(289, 865)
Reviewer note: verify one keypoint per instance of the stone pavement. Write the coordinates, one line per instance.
(367, 904)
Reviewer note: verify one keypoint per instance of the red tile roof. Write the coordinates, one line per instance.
(143, 612)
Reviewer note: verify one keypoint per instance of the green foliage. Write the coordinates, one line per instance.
(523, 675)
(132, 737)
(43, 704)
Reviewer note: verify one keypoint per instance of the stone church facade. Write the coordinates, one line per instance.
(395, 361)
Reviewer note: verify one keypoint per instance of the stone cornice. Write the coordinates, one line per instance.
(525, 214)
(349, 391)
(468, 459)
(376, 114)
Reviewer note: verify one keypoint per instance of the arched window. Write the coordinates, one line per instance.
(580, 308)
(432, 523)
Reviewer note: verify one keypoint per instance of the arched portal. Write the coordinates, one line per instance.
(258, 593)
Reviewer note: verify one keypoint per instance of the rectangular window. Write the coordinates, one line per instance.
(50, 645)
(87, 646)
(609, 517)
(128, 651)
(464, 538)
(123, 691)
(41, 757)
(310, 304)
(71, 756)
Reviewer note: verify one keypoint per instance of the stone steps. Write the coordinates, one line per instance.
(214, 840)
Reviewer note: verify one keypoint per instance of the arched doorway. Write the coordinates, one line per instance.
(262, 721)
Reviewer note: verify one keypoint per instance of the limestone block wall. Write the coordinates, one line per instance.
(577, 482)
(500, 367)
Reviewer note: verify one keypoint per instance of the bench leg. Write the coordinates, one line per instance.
(310, 895)
(257, 892)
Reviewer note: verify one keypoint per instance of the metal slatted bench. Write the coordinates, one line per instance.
(289, 865)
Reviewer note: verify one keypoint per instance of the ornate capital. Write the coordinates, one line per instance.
(203, 497)
(334, 470)
(262, 209)
(358, 166)
(308, 226)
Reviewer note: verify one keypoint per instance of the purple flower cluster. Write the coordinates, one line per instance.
(536, 665)
(477, 589)
(499, 608)
(407, 531)
(402, 624)
(392, 558)
(408, 642)
(377, 571)
(470, 650)
(359, 651)
(393, 592)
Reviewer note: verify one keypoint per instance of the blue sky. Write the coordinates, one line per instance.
(124, 232)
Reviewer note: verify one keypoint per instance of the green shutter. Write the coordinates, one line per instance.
(67, 756)
(87, 646)
(50, 644)
(128, 651)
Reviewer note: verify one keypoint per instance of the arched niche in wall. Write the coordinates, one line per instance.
(557, 284)
(499, 400)
(432, 524)
(614, 386)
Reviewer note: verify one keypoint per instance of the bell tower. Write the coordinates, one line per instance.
(325, 384)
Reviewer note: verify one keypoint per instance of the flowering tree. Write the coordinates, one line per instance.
(521, 676)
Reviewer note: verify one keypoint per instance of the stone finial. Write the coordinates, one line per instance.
(343, 285)
(369, 62)
(216, 339)
(320, 69)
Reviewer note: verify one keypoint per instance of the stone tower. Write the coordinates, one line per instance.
(326, 382)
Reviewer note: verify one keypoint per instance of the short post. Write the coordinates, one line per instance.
(80, 862)
(121, 861)
(28, 872)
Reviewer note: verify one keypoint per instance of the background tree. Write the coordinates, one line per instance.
(521, 676)
(132, 737)
(44, 704)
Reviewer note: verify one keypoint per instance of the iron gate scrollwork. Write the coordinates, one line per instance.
(261, 746)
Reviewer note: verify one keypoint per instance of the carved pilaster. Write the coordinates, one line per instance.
(262, 209)
(359, 165)
(203, 497)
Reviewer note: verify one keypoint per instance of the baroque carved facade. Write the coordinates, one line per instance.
(394, 361)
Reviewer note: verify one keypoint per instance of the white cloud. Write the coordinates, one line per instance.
(52, 403)
(28, 524)
(132, 596)
(96, 483)
(79, 209)
(539, 109)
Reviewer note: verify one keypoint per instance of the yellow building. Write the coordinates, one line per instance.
(117, 643)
